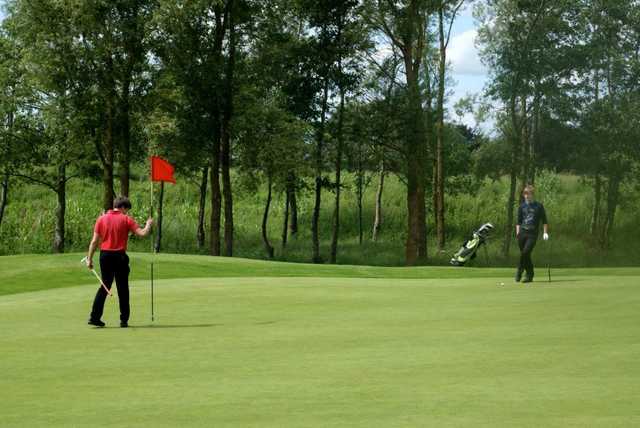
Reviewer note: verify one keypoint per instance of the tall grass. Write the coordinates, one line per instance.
(30, 218)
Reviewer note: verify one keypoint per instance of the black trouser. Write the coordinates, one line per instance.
(113, 264)
(526, 242)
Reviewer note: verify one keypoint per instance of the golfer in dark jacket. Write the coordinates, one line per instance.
(530, 214)
(112, 232)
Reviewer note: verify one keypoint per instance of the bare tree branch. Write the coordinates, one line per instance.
(34, 180)
(453, 18)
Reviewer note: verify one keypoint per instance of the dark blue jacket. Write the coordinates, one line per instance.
(530, 215)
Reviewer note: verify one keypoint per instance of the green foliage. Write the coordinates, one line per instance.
(270, 144)
(90, 85)
(548, 184)
(492, 159)
(29, 222)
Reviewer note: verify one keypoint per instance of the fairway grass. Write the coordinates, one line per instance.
(450, 348)
(23, 273)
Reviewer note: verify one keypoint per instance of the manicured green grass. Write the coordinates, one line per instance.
(254, 344)
(36, 272)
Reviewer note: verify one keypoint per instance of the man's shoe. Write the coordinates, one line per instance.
(124, 324)
(527, 279)
(96, 323)
(518, 276)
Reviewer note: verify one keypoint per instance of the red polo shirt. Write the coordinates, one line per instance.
(113, 228)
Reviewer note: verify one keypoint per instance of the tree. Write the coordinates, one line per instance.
(48, 151)
(326, 20)
(190, 43)
(132, 46)
(270, 143)
(11, 98)
(351, 38)
(612, 72)
(51, 135)
(405, 24)
(520, 44)
(446, 9)
(383, 112)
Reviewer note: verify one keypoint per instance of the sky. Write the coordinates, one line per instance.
(469, 75)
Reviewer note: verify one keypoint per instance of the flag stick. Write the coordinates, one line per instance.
(152, 239)
(550, 254)
(152, 317)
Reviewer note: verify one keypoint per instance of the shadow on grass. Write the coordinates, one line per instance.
(543, 282)
(159, 326)
(134, 327)
(176, 326)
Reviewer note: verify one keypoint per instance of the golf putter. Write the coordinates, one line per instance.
(85, 260)
(549, 261)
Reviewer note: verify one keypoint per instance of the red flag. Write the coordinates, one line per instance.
(161, 170)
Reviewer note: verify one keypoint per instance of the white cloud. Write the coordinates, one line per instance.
(463, 55)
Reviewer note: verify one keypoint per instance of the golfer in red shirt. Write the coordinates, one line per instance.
(112, 230)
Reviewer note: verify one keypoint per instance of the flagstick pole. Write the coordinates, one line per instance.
(152, 243)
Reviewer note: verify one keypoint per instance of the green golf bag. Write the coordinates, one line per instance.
(470, 247)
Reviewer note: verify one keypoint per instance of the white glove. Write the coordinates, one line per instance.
(545, 236)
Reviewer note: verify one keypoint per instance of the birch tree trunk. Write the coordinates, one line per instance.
(377, 222)
(265, 219)
(201, 207)
(61, 194)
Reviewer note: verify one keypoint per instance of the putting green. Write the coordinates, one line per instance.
(313, 351)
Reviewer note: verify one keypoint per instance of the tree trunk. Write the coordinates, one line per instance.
(61, 188)
(158, 241)
(216, 199)
(201, 207)
(293, 204)
(5, 178)
(439, 160)
(265, 219)
(415, 248)
(513, 176)
(226, 139)
(431, 141)
(125, 155)
(360, 197)
(338, 165)
(285, 226)
(228, 197)
(5, 194)
(534, 144)
(107, 173)
(434, 185)
(524, 147)
(595, 215)
(377, 222)
(108, 145)
(613, 193)
(221, 14)
(597, 186)
(318, 190)
(510, 205)
(416, 244)
(360, 191)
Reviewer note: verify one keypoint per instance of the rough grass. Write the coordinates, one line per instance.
(324, 346)
(29, 222)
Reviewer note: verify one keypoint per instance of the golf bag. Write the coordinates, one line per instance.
(470, 247)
